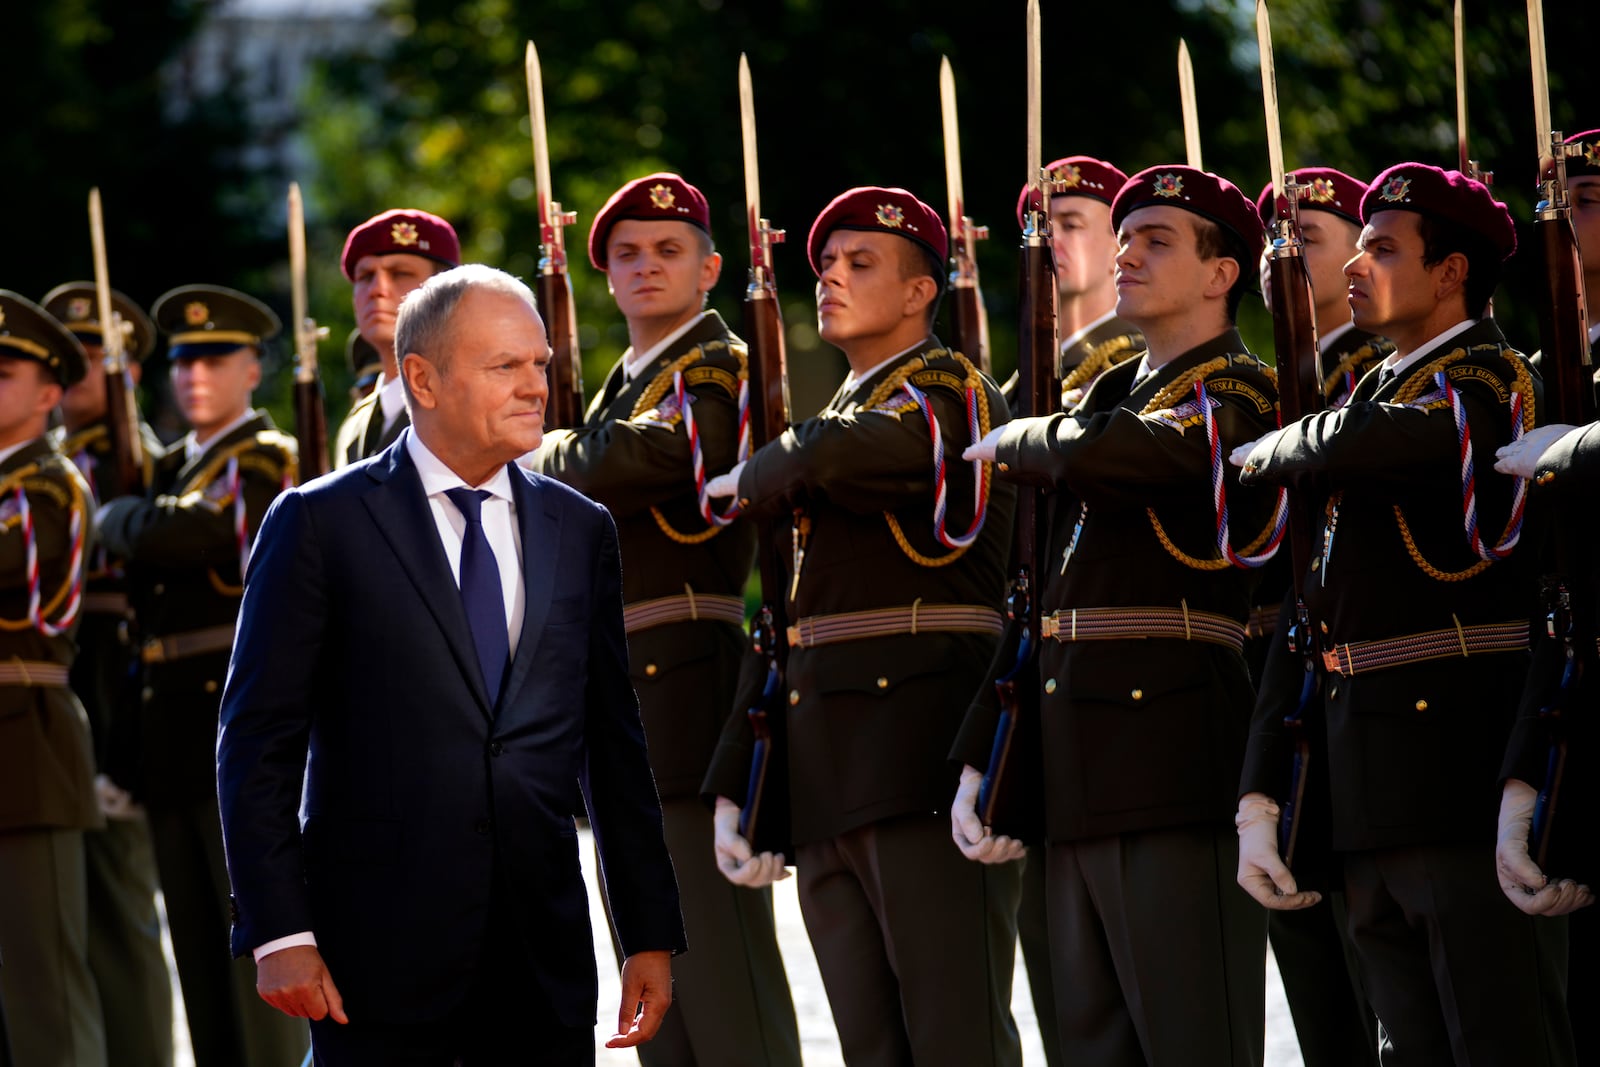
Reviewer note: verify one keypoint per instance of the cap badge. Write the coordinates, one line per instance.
(1395, 189)
(1069, 176)
(661, 197)
(1168, 184)
(195, 313)
(1321, 190)
(891, 215)
(2, 316)
(1591, 154)
(78, 309)
(403, 234)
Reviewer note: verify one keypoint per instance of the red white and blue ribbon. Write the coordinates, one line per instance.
(980, 472)
(1219, 496)
(74, 598)
(241, 529)
(686, 409)
(1469, 489)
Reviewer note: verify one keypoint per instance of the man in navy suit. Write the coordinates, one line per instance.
(421, 901)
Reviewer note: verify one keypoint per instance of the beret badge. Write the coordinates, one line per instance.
(1167, 184)
(1069, 176)
(403, 234)
(195, 313)
(1320, 190)
(1591, 153)
(661, 197)
(891, 215)
(1395, 189)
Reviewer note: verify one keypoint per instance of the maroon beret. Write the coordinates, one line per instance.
(1445, 194)
(1079, 176)
(1208, 195)
(653, 198)
(875, 209)
(402, 230)
(1321, 189)
(1588, 163)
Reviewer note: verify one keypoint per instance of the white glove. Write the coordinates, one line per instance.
(726, 484)
(734, 859)
(1240, 457)
(1261, 870)
(975, 840)
(115, 801)
(1522, 457)
(985, 449)
(1523, 883)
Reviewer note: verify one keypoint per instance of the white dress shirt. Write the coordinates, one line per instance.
(1395, 364)
(634, 363)
(499, 526)
(193, 449)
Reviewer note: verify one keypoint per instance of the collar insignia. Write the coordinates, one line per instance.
(1395, 189)
(891, 215)
(403, 234)
(661, 197)
(1168, 184)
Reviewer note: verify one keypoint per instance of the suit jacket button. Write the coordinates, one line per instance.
(495, 748)
(481, 826)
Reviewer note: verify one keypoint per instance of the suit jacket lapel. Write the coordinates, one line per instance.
(540, 530)
(405, 520)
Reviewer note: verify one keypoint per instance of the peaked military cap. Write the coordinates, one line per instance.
(77, 305)
(1321, 189)
(28, 331)
(1446, 194)
(365, 363)
(1589, 162)
(1208, 195)
(401, 229)
(209, 320)
(876, 209)
(1079, 176)
(653, 198)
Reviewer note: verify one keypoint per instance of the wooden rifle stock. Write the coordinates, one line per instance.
(310, 427)
(966, 317)
(126, 473)
(1011, 796)
(564, 406)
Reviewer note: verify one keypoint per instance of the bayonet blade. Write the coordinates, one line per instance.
(306, 332)
(110, 325)
(752, 169)
(541, 143)
(1269, 100)
(1191, 111)
(1035, 117)
(1541, 84)
(1463, 151)
(952, 141)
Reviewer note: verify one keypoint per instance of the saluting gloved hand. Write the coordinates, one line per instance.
(986, 449)
(1523, 883)
(735, 859)
(725, 484)
(1262, 873)
(1261, 448)
(1521, 458)
(975, 840)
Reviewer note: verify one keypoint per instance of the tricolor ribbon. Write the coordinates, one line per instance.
(1219, 497)
(980, 472)
(1469, 489)
(74, 598)
(709, 514)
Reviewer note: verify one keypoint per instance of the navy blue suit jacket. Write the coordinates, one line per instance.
(353, 647)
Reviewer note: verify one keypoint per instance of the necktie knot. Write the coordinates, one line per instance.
(469, 502)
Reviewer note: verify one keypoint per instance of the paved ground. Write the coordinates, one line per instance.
(819, 1042)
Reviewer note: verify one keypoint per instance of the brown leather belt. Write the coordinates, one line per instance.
(32, 673)
(106, 604)
(1358, 657)
(190, 643)
(1111, 624)
(917, 618)
(685, 607)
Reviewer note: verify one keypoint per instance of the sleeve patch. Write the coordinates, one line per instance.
(665, 415)
(46, 487)
(934, 377)
(1469, 372)
(897, 403)
(1239, 388)
(271, 466)
(702, 374)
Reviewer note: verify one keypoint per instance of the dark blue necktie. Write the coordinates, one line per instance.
(481, 594)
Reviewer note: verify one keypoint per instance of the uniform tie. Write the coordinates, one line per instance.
(481, 593)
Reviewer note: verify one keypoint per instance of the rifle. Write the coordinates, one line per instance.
(126, 474)
(1010, 797)
(310, 418)
(1467, 165)
(968, 318)
(1191, 110)
(1294, 336)
(1569, 395)
(764, 817)
(564, 406)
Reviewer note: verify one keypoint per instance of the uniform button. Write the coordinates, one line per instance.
(146, 694)
(1546, 477)
(495, 748)
(1324, 627)
(482, 826)
(744, 502)
(883, 683)
(650, 670)
(1315, 563)
(794, 697)
(1333, 691)
(1003, 466)
(211, 685)
(1137, 694)
(1050, 685)
(159, 589)
(1422, 705)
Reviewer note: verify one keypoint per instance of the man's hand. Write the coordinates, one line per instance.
(725, 484)
(1521, 458)
(1260, 449)
(735, 859)
(975, 840)
(985, 449)
(1523, 883)
(296, 982)
(646, 995)
(1261, 870)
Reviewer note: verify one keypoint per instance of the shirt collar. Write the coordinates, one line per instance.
(11, 450)
(437, 478)
(193, 449)
(853, 379)
(1087, 330)
(1430, 345)
(392, 399)
(633, 364)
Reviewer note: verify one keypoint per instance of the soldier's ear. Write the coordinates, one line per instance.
(1450, 276)
(1224, 272)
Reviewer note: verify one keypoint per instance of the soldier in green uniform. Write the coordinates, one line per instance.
(366, 367)
(124, 929)
(1147, 583)
(47, 798)
(385, 258)
(186, 544)
(894, 596)
(668, 416)
(1420, 598)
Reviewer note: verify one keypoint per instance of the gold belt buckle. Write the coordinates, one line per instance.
(1050, 625)
(1330, 660)
(794, 636)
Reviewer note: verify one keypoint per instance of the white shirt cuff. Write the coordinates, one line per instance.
(278, 944)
